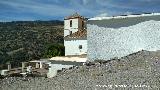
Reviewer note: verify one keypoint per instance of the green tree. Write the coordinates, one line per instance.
(54, 50)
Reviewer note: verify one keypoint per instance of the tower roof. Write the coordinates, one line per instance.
(75, 15)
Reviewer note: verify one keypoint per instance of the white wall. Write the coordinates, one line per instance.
(117, 38)
(59, 65)
(72, 47)
(76, 24)
(67, 27)
(54, 68)
(66, 32)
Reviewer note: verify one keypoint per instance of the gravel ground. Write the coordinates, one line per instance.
(137, 71)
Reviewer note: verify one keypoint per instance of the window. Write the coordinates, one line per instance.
(80, 46)
(70, 32)
(82, 24)
(70, 23)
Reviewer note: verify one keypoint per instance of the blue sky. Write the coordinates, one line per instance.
(16, 10)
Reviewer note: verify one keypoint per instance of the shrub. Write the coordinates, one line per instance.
(53, 50)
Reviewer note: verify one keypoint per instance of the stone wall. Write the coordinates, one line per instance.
(119, 37)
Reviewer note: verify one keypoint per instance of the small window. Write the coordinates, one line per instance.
(82, 24)
(71, 23)
(70, 32)
(80, 46)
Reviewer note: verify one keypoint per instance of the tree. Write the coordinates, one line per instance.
(54, 50)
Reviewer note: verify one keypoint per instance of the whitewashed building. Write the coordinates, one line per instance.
(75, 42)
(75, 35)
(118, 36)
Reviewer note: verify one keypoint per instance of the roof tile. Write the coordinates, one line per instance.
(78, 34)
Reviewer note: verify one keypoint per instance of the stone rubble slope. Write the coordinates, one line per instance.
(140, 68)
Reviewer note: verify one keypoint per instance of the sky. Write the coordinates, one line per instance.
(29, 10)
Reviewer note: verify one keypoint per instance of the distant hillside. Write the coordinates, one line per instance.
(27, 40)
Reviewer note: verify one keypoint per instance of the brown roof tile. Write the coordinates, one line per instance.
(77, 35)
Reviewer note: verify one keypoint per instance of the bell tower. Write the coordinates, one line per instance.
(74, 23)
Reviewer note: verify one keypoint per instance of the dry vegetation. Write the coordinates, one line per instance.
(27, 40)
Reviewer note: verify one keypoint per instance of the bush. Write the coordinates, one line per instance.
(53, 50)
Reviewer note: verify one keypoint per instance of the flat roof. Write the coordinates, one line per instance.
(38, 61)
(72, 59)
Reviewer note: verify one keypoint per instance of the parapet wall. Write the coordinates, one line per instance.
(119, 37)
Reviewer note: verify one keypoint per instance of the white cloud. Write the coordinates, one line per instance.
(127, 13)
(38, 8)
(88, 8)
(102, 15)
